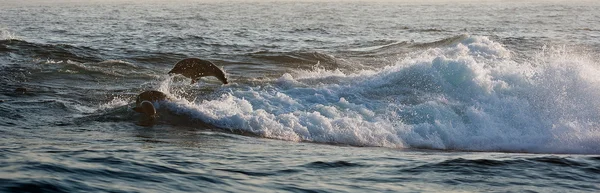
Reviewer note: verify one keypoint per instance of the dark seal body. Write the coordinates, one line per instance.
(148, 96)
(149, 111)
(148, 108)
(196, 68)
(143, 105)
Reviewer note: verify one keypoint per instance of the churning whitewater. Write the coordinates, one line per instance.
(470, 95)
(345, 96)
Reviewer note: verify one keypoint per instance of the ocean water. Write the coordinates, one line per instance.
(349, 96)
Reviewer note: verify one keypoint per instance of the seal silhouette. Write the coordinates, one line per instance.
(147, 108)
(143, 102)
(196, 68)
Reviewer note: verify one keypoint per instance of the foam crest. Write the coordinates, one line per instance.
(114, 103)
(470, 95)
(7, 35)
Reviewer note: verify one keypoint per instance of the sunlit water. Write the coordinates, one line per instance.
(324, 97)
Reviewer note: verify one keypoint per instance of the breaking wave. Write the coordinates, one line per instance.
(468, 95)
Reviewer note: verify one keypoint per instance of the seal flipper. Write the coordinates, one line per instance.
(223, 79)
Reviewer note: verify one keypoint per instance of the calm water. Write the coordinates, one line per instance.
(324, 97)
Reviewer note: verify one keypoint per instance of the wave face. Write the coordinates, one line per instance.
(470, 95)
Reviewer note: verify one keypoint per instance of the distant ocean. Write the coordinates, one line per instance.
(348, 96)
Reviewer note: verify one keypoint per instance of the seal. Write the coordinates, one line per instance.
(150, 114)
(149, 97)
(148, 108)
(143, 104)
(196, 68)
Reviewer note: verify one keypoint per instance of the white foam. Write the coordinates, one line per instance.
(50, 61)
(467, 96)
(7, 35)
(115, 102)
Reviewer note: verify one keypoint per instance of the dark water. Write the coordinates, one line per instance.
(324, 97)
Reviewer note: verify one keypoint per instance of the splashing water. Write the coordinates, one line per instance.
(7, 35)
(467, 96)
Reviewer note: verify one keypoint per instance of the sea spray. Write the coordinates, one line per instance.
(7, 35)
(471, 95)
